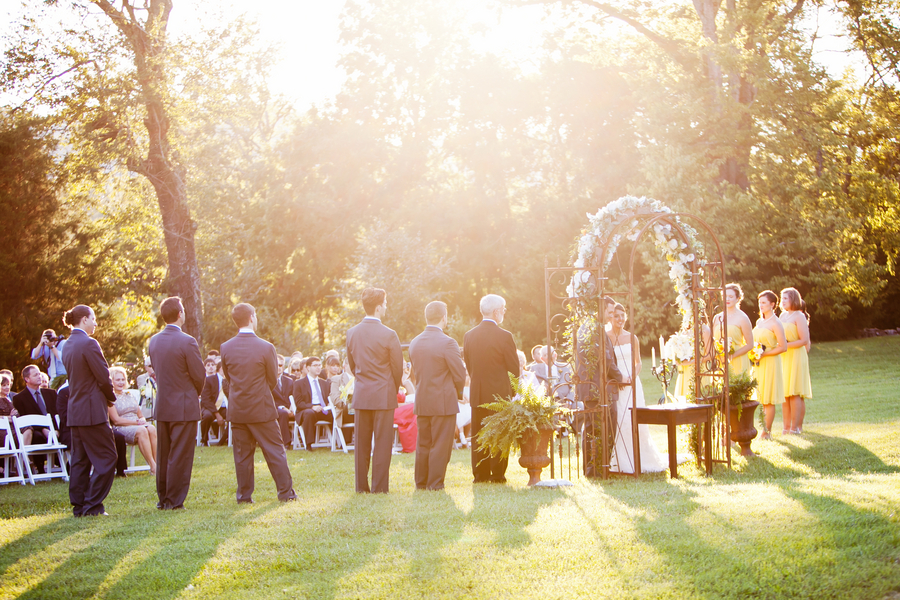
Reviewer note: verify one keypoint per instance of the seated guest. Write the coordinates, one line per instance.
(536, 360)
(311, 399)
(210, 366)
(332, 353)
(214, 354)
(127, 418)
(35, 401)
(146, 385)
(7, 409)
(526, 377)
(295, 356)
(407, 381)
(45, 381)
(340, 379)
(214, 404)
(282, 394)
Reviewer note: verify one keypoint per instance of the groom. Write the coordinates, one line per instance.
(590, 391)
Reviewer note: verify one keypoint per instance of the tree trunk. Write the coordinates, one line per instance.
(147, 41)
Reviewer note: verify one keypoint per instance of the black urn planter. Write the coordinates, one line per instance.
(742, 430)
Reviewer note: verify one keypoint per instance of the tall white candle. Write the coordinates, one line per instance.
(662, 349)
(653, 352)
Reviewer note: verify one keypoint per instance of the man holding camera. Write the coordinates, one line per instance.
(50, 349)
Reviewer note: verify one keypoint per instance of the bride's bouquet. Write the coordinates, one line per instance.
(755, 353)
(680, 346)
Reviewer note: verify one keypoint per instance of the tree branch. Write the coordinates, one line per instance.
(46, 83)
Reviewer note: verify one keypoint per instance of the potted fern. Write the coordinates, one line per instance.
(524, 423)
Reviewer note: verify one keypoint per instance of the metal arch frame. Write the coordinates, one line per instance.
(712, 371)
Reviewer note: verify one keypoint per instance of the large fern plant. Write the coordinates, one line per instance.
(501, 432)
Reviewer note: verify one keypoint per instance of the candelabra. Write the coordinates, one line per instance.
(664, 372)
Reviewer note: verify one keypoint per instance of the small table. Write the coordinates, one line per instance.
(671, 415)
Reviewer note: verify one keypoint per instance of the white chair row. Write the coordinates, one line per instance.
(20, 453)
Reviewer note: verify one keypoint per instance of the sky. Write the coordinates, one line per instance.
(307, 32)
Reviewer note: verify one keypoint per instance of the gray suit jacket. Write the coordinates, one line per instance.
(180, 375)
(376, 361)
(90, 388)
(251, 366)
(440, 372)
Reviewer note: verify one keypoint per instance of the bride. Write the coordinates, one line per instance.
(622, 459)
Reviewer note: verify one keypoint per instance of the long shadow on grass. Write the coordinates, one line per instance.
(831, 455)
(509, 511)
(162, 575)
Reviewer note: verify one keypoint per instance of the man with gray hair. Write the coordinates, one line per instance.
(440, 374)
(490, 355)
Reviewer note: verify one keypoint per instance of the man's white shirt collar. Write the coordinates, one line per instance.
(491, 320)
(438, 327)
(372, 318)
(246, 330)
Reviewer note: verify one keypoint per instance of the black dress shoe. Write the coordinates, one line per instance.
(245, 501)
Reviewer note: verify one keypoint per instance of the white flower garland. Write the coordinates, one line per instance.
(667, 242)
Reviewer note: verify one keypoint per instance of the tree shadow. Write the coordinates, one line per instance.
(163, 574)
(510, 511)
(832, 455)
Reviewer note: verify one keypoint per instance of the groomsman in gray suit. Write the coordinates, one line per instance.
(376, 362)
(440, 376)
(176, 357)
(251, 366)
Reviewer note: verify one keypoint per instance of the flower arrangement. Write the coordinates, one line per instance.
(680, 346)
(630, 211)
(345, 399)
(756, 353)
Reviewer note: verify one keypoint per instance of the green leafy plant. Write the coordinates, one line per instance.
(740, 389)
(502, 431)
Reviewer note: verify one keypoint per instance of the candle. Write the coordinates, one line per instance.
(653, 352)
(662, 349)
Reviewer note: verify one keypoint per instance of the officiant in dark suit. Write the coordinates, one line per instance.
(93, 458)
(251, 367)
(180, 375)
(440, 374)
(490, 355)
(376, 362)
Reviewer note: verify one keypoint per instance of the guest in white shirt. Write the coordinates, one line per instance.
(311, 399)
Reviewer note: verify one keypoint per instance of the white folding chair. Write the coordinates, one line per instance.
(9, 451)
(323, 435)
(337, 439)
(50, 449)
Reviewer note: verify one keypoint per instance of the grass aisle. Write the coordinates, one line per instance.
(811, 517)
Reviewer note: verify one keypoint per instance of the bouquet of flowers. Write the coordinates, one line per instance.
(755, 353)
(346, 397)
(680, 346)
(721, 348)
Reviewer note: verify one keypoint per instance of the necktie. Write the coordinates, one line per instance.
(40, 401)
(222, 400)
(316, 393)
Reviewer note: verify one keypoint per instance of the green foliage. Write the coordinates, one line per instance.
(501, 432)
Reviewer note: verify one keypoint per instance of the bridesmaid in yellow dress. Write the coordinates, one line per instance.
(739, 329)
(795, 362)
(769, 333)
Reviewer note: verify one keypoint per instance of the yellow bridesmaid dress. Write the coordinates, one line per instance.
(770, 385)
(741, 364)
(795, 364)
(684, 381)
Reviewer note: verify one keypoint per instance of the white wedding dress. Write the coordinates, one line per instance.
(622, 459)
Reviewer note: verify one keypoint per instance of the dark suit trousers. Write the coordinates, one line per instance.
(434, 446)
(92, 446)
(207, 420)
(308, 419)
(284, 425)
(381, 424)
(245, 437)
(121, 453)
(176, 441)
(484, 466)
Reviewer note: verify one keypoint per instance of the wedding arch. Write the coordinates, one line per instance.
(573, 293)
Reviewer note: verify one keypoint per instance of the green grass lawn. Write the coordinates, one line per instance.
(810, 517)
